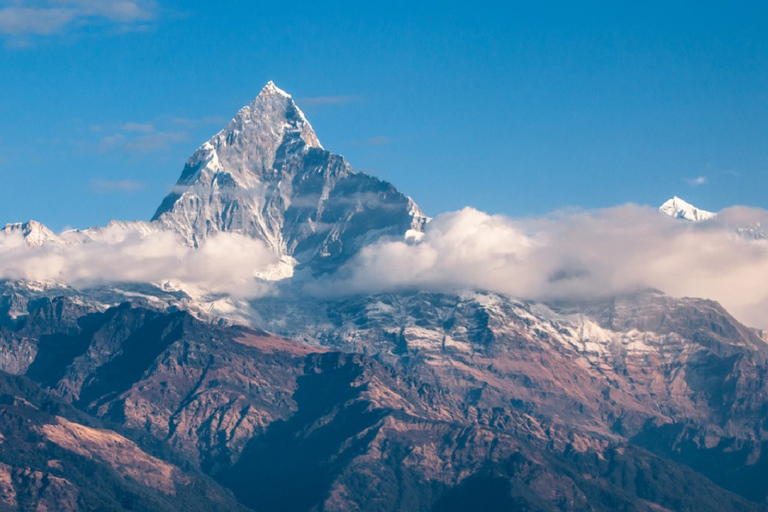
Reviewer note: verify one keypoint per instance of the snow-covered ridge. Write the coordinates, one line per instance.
(36, 234)
(680, 209)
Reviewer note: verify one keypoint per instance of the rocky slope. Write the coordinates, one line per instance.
(288, 426)
(53, 457)
(611, 369)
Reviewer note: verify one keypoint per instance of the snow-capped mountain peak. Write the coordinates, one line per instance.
(34, 233)
(266, 176)
(681, 209)
(271, 88)
(272, 113)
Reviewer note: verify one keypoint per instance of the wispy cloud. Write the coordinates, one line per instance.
(329, 100)
(106, 186)
(140, 138)
(158, 141)
(373, 141)
(158, 134)
(188, 123)
(138, 128)
(24, 18)
(698, 181)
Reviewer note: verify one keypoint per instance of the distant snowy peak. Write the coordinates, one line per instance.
(34, 233)
(95, 233)
(266, 176)
(680, 209)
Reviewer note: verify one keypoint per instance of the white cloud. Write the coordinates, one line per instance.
(224, 264)
(159, 141)
(574, 255)
(118, 11)
(700, 180)
(138, 139)
(46, 17)
(582, 254)
(23, 20)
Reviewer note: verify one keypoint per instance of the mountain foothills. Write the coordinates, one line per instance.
(151, 388)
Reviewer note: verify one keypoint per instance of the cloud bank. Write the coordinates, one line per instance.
(575, 255)
(224, 264)
(566, 255)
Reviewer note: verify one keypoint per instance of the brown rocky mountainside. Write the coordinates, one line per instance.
(53, 457)
(393, 402)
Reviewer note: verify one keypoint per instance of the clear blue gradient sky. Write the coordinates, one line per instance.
(518, 108)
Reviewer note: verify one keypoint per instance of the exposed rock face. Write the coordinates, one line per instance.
(267, 176)
(26, 489)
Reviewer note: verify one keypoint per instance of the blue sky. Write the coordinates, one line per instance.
(518, 108)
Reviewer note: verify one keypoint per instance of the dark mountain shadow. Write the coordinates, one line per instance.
(137, 353)
(292, 466)
(58, 350)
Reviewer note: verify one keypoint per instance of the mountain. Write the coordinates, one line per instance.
(679, 209)
(265, 175)
(421, 401)
(33, 233)
(155, 396)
